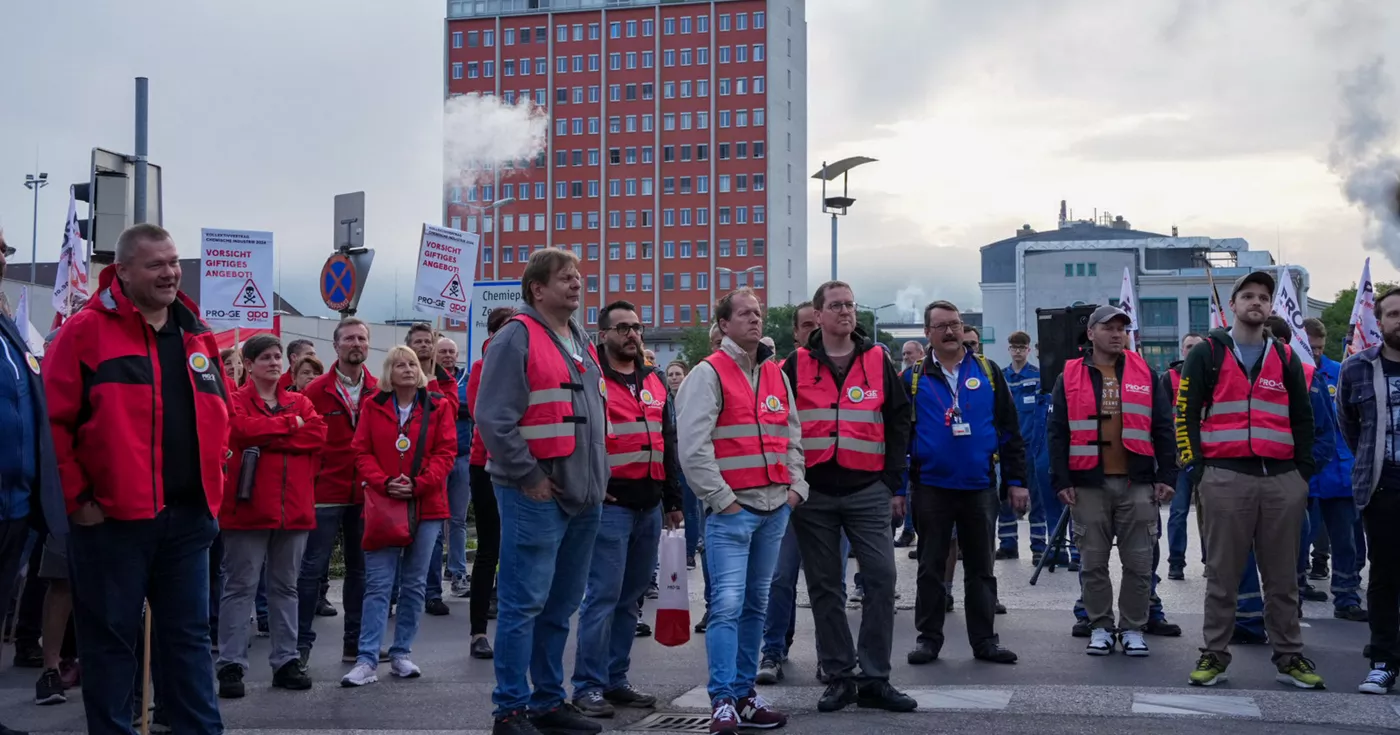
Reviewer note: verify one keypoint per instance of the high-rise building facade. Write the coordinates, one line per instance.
(676, 150)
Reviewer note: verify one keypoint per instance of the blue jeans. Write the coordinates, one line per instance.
(742, 549)
(459, 495)
(1177, 534)
(316, 562)
(381, 567)
(1338, 515)
(780, 624)
(545, 558)
(116, 565)
(624, 555)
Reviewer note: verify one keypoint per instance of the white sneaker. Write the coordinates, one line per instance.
(1134, 644)
(1100, 642)
(359, 676)
(401, 667)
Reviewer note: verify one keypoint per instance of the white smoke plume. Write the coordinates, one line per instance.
(481, 133)
(1364, 153)
(910, 302)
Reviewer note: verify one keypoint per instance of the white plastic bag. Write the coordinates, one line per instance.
(673, 599)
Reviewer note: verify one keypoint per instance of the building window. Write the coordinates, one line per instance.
(456, 70)
(1069, 270)
(646, 315)
(1157, 313)
(1199, 315)
(614, 283)
(592, 315)
(1079, 269)
(646, 282)
(668, 314)
(631, 281)
(456, 39)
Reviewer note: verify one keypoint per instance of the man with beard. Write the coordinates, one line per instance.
(1244, 430)
(338, 396)
(910, 354)
(1368, 413)
(642, 455)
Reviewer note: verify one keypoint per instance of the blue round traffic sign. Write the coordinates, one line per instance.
(337, 282)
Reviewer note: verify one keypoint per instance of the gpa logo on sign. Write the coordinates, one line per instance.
(973, 384)
(1271, 384)
(855, 394)
(773, 404)
(1137, 388)
(648, 398)
(1332, 389)
(199, 362)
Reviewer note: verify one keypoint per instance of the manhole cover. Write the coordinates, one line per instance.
(673, 722)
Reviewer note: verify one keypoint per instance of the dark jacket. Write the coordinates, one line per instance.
(1198, 378)
(1159, 468)
(830, 477)
(645, 493)
(45, 506)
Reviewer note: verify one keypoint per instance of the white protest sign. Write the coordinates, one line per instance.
(485, 297)
(446, 263)
(235, 281)
(1290, 307)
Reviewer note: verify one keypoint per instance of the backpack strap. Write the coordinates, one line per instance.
(986, 368)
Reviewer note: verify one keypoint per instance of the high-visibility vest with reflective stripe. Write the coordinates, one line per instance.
(1247, 420)
(548, 424)
(751, 433)
(842, 421)
(635, 447)
(1135, 400)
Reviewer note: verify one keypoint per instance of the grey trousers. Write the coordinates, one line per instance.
(245, 552)
(1125, 511)
(865, 516)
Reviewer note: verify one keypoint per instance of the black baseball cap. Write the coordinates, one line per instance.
(1260, 277)
(1105, 314)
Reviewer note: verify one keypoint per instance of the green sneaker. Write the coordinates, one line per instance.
(1299, 672)
(1210, 670)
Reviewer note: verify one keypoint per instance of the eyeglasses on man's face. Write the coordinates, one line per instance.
(840, 306)
(947, 327)
(623, 329)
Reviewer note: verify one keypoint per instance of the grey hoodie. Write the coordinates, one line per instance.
(583, 476)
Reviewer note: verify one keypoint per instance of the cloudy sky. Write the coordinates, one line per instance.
(1218, 116)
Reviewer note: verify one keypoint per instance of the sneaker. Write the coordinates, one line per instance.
(630, 696)
(436, 607)
(291, 676)
(403, 668)
(49, 688)
(1298, 671)
(1312, 594)
(881, 695)
(592, 704)
(1318, 572)
(838, 695)
(1354, 613)
(1007, 554)
(725, 718)
(704, 623)
(1133, 643)
(565, 717)
(1162, 627)
(461, 586)
(1380, 681)
(1177, 572)
(231, 682)
(514, 723)
(770, 671)
(481, 648)
(324, 609)
(643, 630)
(1081, 628)
(1210, 670)
(754, 712)
(1100, 642)
(359, 676)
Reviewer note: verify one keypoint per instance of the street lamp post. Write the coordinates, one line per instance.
(838, 205)
(874, 318)
(750, 269)
(35, 182)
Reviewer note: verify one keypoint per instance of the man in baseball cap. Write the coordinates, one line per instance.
(1261, 278)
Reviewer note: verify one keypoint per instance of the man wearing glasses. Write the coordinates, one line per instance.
(963, 420)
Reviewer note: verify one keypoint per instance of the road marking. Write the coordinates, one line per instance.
(1194, 704)
(803, 698)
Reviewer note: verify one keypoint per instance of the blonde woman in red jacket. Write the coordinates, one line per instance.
(268, 510)
(405, 445)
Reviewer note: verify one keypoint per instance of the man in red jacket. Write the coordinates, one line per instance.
(423, 341)
(338, 396)
(139, 411)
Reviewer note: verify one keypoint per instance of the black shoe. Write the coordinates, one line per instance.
(643, 630)
(436, 607)
(770, 671)
(514, 723)
(1035, 558)
(1007, 554)
(1162, 628)
(913, 553)
(1319, 571)
(1312, 594)
(995, 654)
(264, 629)
(947, 603)
(704, 623)
(231, 682)
(29, 655)
(838, 694)
(291, 676)
(481, 648)
(324, 609)
(630, 696)
(565, 717)
(1072, 566)
(49, 688)
(923, 653)
(906, 539)
(1177, 572)
(592, 704)
(1081, 628)
(1354, 613)
(1000, 608)
(1242, 637)
(690, 562)
(880, 695)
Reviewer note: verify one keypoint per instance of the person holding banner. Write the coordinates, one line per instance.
(645, 481)
(137, 371)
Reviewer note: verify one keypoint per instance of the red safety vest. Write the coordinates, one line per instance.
(1135, 392)
(1249, 420)
(548, 424)
(843, 421)
(635, 446)
(751, 434)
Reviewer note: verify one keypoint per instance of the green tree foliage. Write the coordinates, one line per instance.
(695, 344)
(777, 324)
(1336, 316)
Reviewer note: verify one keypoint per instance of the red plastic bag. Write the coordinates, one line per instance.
(388, 522)
(673, 600)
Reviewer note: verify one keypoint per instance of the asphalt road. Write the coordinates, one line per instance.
(1054, 689)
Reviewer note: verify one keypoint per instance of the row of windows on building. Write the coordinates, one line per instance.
(669, 154)
(616, 29)
(1090, 270)
(700, 314)
(669, 121)
(616, 187)
(644, 91)
(629, 282)
(1163, 312)
(619, 219)
(617, 61)
(670, 250)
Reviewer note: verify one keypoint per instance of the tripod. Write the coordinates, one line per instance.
(1054, 548)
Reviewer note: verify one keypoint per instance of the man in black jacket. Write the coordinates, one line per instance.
(855, 434)
(1110, 439)
(645, 480)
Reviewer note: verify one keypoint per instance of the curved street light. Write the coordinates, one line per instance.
(838, 205)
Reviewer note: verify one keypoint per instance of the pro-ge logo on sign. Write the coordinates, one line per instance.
(1137, 388)
(856, 394)
(1271, 384)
